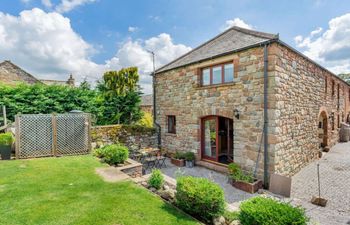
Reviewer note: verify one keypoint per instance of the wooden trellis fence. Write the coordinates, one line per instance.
(40, 135)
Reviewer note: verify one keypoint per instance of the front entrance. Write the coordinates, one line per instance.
(217, 139)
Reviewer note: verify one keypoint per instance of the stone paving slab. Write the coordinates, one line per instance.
(112, 174)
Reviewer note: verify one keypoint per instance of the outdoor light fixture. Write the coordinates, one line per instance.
(236, 113)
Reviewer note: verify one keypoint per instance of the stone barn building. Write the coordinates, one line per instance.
(212, 100)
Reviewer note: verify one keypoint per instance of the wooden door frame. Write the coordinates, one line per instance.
(203, 119)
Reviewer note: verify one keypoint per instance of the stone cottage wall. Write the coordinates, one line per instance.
(134, 137)
(301, 95)
(179, 93)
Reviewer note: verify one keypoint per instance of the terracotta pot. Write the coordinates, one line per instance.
(248, 187)
(178, 162)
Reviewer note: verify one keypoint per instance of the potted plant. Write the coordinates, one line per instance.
(178, 159)
(189, 159)
(242, 181)
(6, 141)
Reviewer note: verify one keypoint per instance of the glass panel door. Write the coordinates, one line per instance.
(210, 137)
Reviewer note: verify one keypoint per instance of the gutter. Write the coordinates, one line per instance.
(266, 122)
(156, 125)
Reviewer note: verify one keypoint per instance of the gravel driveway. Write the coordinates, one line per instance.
(335, 186)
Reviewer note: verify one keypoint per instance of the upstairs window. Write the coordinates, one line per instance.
(218, 74)
(333, 84)
(171, 124)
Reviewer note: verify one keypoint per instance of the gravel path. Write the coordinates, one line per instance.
(335, 186)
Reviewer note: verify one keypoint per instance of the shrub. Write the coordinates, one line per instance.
(231, 216)
(146, 120)
(189, 156)
(237, 174)
(265, 211)
(156, 180)
(179, 155)
(6, 139)
(200, 197)
(113, 154)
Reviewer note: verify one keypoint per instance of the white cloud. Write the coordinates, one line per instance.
(47, 3)
(331, 47)
(45, 45)
(236, 22)
(132, 29)
(135, 53)
(68, 5)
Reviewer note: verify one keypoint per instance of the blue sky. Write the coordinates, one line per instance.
(103, 27)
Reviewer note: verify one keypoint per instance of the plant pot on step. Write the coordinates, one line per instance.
(5, 151)
(178, 162)
(248, 187)
(189, 163)
(6, 141)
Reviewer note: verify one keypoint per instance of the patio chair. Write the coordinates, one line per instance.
(160, 162)
(150, 161)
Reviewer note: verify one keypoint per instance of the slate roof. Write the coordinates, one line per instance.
(233, 39)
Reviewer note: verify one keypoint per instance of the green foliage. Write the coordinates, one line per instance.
(115, 101)
(179, 155)
(146, 120)
(113, 154)
(237, 174)
(45, 99)
(266, 211)
(156, 180)
(231, 216)
(189, 156)
(200, 197)
(119, 97)
(345, 77)
(6, 138)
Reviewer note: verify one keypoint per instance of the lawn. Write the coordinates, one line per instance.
(67, 191)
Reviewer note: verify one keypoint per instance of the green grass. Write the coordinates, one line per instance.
(67, 191)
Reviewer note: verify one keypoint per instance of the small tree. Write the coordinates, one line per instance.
(120, 97)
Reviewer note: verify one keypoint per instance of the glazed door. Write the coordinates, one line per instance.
(210, 138)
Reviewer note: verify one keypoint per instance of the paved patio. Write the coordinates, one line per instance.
(232, 195)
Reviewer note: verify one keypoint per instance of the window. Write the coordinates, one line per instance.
(325, 86)
(172, 124)
(333, 88)
(338, 96)
(218, 74)
(338, 120)
(228, 73)
(206, 77)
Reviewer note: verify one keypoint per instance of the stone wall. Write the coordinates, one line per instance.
(179, 93)
(301, 96)
(134, 137)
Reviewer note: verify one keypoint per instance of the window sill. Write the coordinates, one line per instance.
(199, 87)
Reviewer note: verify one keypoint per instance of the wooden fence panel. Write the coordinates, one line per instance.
(40, 135)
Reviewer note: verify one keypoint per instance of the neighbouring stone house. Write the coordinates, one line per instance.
(12, 74)
(147, 103)
(211, 101)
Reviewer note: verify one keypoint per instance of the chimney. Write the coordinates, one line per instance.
(71, 81)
